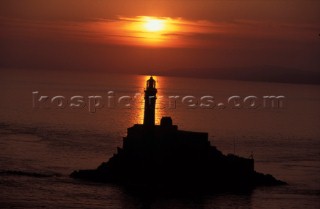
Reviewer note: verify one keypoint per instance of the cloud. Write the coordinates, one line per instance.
(98, 42)
(177, 32)
(117, 31)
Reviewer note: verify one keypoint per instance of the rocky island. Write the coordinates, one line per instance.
(164, 158)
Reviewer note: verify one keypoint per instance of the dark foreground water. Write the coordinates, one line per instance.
(41, 146)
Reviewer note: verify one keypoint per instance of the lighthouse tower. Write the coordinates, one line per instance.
(150, 102)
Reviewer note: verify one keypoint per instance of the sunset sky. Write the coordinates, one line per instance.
(161, 36)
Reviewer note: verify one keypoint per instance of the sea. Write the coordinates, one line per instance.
(55, 122)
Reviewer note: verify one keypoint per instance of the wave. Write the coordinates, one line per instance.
(53, 132)
(28, 174)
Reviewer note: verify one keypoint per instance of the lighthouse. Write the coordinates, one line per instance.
(161, 158)
(150, 102)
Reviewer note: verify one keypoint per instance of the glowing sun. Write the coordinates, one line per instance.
(152, 31)
(154, 25)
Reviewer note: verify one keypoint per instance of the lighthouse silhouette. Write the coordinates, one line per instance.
(163, 158)
(150, 102)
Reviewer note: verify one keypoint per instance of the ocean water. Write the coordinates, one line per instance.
(42, 143)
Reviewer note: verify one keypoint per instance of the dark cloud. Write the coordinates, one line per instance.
(85, 35)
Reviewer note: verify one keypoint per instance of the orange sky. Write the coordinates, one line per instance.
(203, 34)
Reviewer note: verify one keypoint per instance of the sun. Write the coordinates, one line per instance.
(154, 25)
(151, 30)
